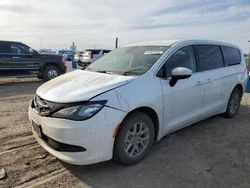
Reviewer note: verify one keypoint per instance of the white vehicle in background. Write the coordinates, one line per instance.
(78, 56)
(130, 98)
(89, 56)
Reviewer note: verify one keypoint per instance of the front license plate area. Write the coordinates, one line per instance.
(37, 129)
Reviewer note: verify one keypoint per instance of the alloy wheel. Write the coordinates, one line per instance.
(136, 139)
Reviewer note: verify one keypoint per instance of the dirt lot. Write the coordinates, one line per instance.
(212, 153)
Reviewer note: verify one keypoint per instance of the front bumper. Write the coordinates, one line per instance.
(94, 134)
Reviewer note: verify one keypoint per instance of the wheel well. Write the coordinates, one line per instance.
(152, 114)
(49, 64)
(239, 86)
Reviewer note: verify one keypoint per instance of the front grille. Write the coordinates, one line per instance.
(40, 106)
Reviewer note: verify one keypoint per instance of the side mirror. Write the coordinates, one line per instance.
(31, 52)
(179, 73)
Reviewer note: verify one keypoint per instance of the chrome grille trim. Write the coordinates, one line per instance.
(40, 106)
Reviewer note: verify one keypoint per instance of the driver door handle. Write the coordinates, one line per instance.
(15, 57)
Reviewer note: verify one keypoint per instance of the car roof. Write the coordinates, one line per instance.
(10, 41)
(181, 41)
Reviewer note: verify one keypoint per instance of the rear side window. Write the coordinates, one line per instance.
(5, 48)
(231, 55)
(209, 56)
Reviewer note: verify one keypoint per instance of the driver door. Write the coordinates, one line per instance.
(181, 103)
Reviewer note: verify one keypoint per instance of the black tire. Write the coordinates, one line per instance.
(233, 104)
(50, 72)
(134, 119)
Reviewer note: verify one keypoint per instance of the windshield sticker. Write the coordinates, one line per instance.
(153, 52)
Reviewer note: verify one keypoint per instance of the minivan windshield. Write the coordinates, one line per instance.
(133, 60)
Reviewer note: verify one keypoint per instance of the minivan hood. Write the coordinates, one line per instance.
(80, 85)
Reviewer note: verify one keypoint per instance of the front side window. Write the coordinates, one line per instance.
(210, 57)
(19, 49)
(183, 57)
(231, 55)
(134, 60)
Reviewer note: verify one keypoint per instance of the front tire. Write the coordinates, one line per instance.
(233, 103)
(135, 138)
(50, 72)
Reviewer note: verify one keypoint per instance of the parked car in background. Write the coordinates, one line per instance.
(46, 51)
(18, 59)
(69, 56)
(89, 56)
(61, 52)
(125, 101)
(78, 55)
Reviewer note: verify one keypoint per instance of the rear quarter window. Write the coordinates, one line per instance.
(232, 56)
(210, 57)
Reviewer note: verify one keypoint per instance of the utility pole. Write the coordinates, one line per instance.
(73, 47)
(116, 42)
(248, 66)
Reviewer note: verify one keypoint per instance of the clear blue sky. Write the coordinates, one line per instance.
(57, 23)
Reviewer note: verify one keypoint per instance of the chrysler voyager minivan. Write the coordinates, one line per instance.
(133, 96)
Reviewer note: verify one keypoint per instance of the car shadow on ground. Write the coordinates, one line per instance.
(196, 156)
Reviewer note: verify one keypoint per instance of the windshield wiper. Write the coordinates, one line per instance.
(132, 71)
(100, 71)
(106, 72)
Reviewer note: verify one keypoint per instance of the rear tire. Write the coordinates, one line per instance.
(50, 72)
(135, 138)
(233, 104)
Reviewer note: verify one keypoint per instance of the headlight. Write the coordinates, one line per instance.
(80, 112)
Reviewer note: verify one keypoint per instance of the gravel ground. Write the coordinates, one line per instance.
(211, 153)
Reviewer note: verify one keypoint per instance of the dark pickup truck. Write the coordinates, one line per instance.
(18, 59)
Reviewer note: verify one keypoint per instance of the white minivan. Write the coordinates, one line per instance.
(133, 96)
